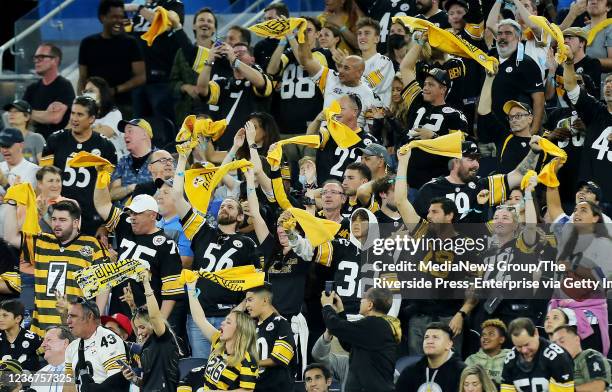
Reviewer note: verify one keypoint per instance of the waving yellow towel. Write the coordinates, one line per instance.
(104, 167)
(547, 175)
(275, 156)
(317, 230)
(24, 194)
(236, 279)
(194, 127)
(446, 146)
(278, 28)
(597, 29)
(344, 136)
(555, 32)
(161, 23)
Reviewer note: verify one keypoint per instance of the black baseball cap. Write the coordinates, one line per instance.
(462, 3)
(20, 105)
(592, 187)
(469, 149)
(440, 75)
(10, 136)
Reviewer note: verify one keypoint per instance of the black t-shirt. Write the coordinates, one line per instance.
(213, 251)
(587, 66)
(9, 270)
(512, 152)
(388, 225)
(275, 341)
(383, 11)
(110, 58)
(40, 97)
(516, 80)
(440, 19)
(443, 379)
(158, 57)
(23, 349)
(457, 72)
(262, 51)
(333, 160)
(159, 359)
(158, 250)
(79, 183)
(550, 363)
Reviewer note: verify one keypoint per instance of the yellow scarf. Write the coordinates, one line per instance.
(448, 42)
(274, 157)
(555, 32)
(161, 23)
(201, 183)
(236, 279)
(194, 127)
(279, 28)
(104, 167)
(597, 29)
(547, 175)
(24, 194)
(95, 279)
(317, 230)
(446, 146)
(344, 136)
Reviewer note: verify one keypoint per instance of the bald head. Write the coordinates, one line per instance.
(351, 69)
(161, 165)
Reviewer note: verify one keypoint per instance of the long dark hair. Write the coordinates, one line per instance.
(106, 99)
(599, 231)
(268, 124)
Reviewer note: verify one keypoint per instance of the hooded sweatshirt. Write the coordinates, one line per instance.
(373, 343)
(444, 379)
(493, 365)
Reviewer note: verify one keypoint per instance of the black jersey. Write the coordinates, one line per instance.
(384, 11)
(568, 175)
(9, 270)
(78, 183)
(344, 259)
(213, 251)
(464, 195)
(287, 273)
(298, 100)
(587, 66)
(513, 151)
(275, 341)
(22, 350)
(158, 250)
(597, 157)
(387, 225)
(457, 72)
(333, 160)
(237, 99)
(550, 370)
(440, 19)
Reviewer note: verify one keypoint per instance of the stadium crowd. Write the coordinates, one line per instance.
(281, 166)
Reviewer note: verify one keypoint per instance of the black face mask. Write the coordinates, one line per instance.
(396, 41)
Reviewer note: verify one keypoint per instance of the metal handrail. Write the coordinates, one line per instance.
(31, 29)
(246, 11)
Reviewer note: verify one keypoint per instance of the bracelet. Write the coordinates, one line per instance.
(290, 36)
(400, 178)
(236, 64)
(342, 29)
(231, 155)
(250, 190)
(209, 63)
(180, 174)
(527, 198)
(149, 294)
(11, 203)
(282, 42)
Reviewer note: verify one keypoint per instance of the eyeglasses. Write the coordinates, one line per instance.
(518, 116)
(332, 193)
(163, 160)
(41, 57)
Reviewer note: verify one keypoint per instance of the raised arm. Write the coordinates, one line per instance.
(408, 63)
(484, 104)
(155, 315)
(304, 57)
(12, 234)
(182, 205)
(569, 74)
(102, 201)
(553, 199)
(524, 14)
(264, 181)
(528, 163)
(405, 208)
(275, 63)
(250, 73)
(577, 8)
(530, 233)
(261, 229)
(197, 313)
(494, 17)
(203, 82)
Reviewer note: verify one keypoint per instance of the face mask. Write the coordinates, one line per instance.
(396, 41)
(302, 179)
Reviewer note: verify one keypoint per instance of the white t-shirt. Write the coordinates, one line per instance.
(378, 74)
(332, 89)
(111, 120)
(103, 349)
(49, 379)
(25, 170)
(538, 51)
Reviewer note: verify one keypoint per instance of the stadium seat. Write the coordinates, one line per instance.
(186, 364)
(163, 130)
(406, 361)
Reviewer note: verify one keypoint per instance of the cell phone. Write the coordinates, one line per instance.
(329, 287)
(123, 364)
(218, 43)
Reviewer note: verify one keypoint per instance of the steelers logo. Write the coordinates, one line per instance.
(25, 344)
(96, 152)
(430, 387)
(509, 69)
(158, 240)
(86, 251)
(269, 327)
(237, 243)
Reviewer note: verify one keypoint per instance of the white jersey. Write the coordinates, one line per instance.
(332, 88)
(538, 50)
(101, 352)
(378, 74)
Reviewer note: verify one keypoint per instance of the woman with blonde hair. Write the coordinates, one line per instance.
(232, 364)
(475, 379)
(343, 15)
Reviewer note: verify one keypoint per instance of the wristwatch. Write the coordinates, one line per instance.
(463, 314)
(254, 145)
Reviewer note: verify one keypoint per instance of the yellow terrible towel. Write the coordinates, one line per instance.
(344, 136)
(448, 42)
(278, 28)
(547, 175)
(194, 127)
(317, 230)
(201, 183)
(236, 279)
(275, 156)
(554, 31)
(597, 29)
(104, 167)
(447, 145)
(161, 23)
(24, 194)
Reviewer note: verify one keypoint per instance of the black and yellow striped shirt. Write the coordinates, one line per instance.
(220, 376)
(54, 267)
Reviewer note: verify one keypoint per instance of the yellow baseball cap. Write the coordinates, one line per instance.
(138, 122)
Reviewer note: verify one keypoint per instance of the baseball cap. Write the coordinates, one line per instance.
(121, 319)
(592, 187)
(139, 122)
(440, 75)
(511, 104)
(20, 105)
(10, 136)
(376, 150)
(462, 3)
(469, 149)
(575, 32)
(142, 203)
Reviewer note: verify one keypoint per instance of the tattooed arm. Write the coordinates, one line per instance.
(528, 163)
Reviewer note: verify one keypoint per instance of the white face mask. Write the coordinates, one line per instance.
(92, 96)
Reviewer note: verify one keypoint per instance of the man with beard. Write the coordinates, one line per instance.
(78, 183)
(214, 249)
(519, 77)
(389, 219)
(56, 258)
(535, 364)
(597, 117)
(355, 175)
(462, 185)
(430, 11)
